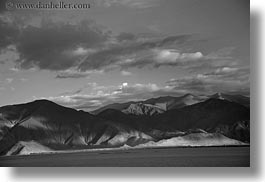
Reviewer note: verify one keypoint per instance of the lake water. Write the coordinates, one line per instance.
(180, 157)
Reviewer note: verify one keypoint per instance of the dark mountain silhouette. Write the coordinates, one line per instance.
(212, 115)
(240, 99)
(205, 115)
(142, 123)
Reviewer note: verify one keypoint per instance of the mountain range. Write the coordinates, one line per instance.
(219, 119)
(159, 104)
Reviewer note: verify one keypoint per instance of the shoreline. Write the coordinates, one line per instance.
(56, 152)
(238, 156)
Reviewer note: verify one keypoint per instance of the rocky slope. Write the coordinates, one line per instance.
(240, 99)
(166, 103)
(194, 140)
(212, 115)
(159, 104)
(59, 127)
(48, 126)
(143, 109)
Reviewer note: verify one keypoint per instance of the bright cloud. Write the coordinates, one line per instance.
(98, 96)
(172, 56)
(126, 73)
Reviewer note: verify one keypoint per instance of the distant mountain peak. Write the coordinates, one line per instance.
(188, 95)
(44, 101)
(130, 123)
(219, 95)
(240, 99)
(143, 109)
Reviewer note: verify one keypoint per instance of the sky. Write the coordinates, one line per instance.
(121, 50)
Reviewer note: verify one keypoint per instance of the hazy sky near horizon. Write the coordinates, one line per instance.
(120, 50)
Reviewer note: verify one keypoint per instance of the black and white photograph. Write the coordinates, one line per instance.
(125, 83)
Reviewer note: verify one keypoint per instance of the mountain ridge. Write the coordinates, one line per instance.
(171, 102)
(54, 127)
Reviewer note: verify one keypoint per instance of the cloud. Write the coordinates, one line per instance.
(233, 80)
(8, 33)
(23, 79)
(52, 46)
(125, 36)
(85, 46)
(156, 51)
(1, 85)
(78, 50)
(9, 80)
(139, 4)
(73, 73)
(138, 53)
(172, 57)
(66, 74)
(55, 47)
(8, 54)
(78, 91)
(93, 96)
(224, 70)
(221, 59)
(14, 69)
(126, 73)
(226, 79)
